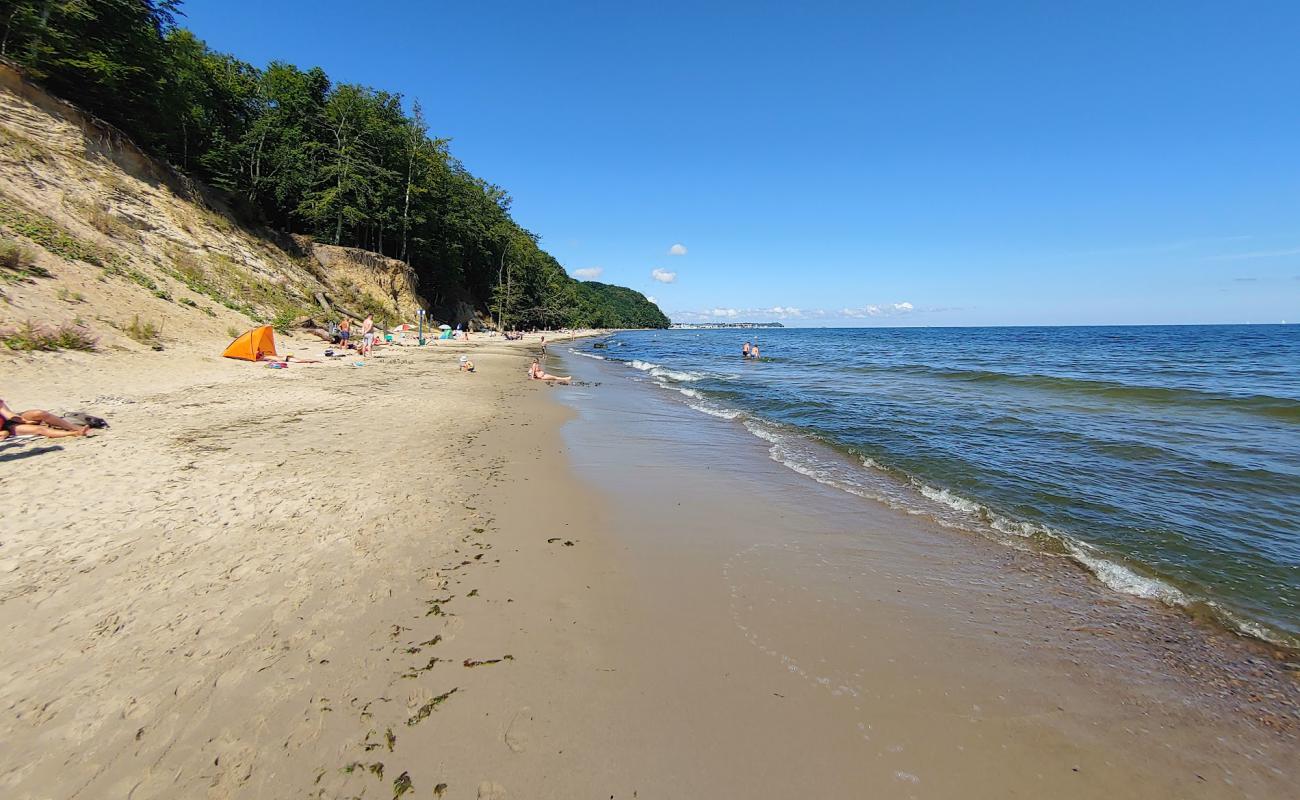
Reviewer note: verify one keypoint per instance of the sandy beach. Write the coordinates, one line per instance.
(252, 585)
(401, 580)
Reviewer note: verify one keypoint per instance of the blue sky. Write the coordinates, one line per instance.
(889, 163)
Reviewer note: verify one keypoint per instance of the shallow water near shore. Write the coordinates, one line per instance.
(1166, 460)
(845, 645)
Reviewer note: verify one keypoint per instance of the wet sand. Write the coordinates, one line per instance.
(339, 582)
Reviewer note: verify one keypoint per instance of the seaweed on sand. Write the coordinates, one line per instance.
(425, 710)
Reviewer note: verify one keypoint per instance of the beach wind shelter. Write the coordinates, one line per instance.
(258, 340)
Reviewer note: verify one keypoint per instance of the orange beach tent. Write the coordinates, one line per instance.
(258, 340)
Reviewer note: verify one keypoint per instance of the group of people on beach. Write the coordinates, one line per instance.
(749, 351)
(367, 335)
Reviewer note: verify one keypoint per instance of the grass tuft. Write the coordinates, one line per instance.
(30, 337)
(145, 332)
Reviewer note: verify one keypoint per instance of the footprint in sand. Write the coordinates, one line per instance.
(491, 790)
(517, 738)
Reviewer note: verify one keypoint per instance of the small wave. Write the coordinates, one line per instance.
(1122, 579)
(587, 355)
(716, 411)
(677, 375)
(663, 372)
(955, 502)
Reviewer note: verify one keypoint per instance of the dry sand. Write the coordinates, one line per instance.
(250, 585)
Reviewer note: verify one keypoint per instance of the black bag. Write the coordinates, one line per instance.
(82, 418)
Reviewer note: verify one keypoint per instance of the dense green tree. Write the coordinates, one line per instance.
(341, 162)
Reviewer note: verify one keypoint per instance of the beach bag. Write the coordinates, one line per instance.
(82, 418)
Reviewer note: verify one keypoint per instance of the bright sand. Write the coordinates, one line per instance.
(257, 575)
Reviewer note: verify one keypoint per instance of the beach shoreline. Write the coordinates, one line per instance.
(365, 577)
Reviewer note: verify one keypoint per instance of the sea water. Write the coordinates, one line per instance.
(1166, 460)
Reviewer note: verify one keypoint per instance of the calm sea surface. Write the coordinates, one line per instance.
(1164, 459)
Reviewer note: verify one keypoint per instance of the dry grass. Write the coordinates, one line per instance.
(32, 337)
(15, 257)
(106, 222)
(145, 332)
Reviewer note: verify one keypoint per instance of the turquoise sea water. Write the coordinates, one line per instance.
(1164, 459)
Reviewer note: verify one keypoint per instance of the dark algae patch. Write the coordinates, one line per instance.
(425, 710)
(469, 662)
(415, 673)
(402, 785)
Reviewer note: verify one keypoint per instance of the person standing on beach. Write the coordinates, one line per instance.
(543, 347)
(345, 332)
(367, 335)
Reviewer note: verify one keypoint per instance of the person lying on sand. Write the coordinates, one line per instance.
(35, 422)
(264, 357)
(538, 374)
(466, 365)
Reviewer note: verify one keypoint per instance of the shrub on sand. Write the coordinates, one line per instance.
(143, 332)
(32, 337)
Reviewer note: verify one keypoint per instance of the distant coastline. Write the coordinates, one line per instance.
(708, 326)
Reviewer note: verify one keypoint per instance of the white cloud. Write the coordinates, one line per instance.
(663, 275)
(589, 273)
(678, 249)
(772, 313)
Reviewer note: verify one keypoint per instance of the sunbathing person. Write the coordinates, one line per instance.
(289, 357)
(538, 374)
(35, 422)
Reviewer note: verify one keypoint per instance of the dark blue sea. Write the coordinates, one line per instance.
(1166, 460)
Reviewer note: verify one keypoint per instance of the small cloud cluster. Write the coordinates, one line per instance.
(678, 249)
(794, 313)
(663, 275)
(886, 310)
(588, 273)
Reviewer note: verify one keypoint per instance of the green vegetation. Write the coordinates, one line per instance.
(602, 305)
(145, 333)
(48, 234)
(18, 263)
(343, 163)
(30, 336)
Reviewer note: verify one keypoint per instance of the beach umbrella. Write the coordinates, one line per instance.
(405, 326)
(444, 327)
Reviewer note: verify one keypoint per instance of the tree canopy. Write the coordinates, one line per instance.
(344, 163)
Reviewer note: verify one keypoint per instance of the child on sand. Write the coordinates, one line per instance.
(535, 372)
(35, 422)
(466, 365)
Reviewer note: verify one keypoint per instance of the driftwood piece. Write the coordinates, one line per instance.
(324, 301)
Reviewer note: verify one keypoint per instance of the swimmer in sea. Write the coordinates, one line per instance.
(744, 351)
(753, 352)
